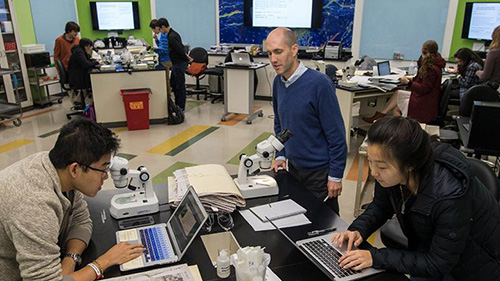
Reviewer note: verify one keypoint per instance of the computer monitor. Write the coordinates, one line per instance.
(483, 131)
(384, 68)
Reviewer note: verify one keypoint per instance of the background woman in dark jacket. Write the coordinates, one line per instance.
(80, 64)
(450, 219)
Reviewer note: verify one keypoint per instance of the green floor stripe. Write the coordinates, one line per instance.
(49, 134)
(163, 176)
(190, 142)
(190, 104)
(249, 149)
(126, 156)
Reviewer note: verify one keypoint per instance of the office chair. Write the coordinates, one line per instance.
(199, 55)
(482, 92)
(391, 234)
(455, 93)
(77, 108)
(331, 71)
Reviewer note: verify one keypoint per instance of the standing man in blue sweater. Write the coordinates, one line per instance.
(163, 52)
(179, 60)
(304, 102)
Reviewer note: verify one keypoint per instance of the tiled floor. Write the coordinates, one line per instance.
(201, 139)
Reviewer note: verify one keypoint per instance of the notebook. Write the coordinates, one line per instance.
(167, 243)
(278, 210)
(325, 255)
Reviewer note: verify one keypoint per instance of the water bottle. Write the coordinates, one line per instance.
(223, 265)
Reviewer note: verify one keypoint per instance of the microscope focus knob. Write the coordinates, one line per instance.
(265, 154)
(248, 163)
(144, 176)
(123, 171)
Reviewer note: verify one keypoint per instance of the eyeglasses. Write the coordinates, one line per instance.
(225, 221)
(104, 171)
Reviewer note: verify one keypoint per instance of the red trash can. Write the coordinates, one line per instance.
(136, 103)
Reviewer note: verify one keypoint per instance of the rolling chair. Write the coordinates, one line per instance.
(455, 93)
(331, 71)
(482, 92)
(391, 234)
(78, 108)
(199, 55)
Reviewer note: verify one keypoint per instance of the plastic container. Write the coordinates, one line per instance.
(223, 265)
(136, 103)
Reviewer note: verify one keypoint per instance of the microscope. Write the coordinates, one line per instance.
(141, 201)
(252, 185)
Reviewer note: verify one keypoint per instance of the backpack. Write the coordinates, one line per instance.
(175, 114)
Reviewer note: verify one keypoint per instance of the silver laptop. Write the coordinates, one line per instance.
(242, 59)
(325, 255)
(167, 243)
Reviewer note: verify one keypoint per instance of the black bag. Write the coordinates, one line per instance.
(175, 114)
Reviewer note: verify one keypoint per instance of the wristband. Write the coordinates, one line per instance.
(100, 268)
(96, 270)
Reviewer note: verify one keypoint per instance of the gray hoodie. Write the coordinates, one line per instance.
(36, 220)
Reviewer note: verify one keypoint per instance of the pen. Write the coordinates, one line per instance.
(321, 231)
(326, 198)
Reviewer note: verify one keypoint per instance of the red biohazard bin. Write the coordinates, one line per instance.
(136, 103)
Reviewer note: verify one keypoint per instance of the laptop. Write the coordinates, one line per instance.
(325, 255)
(167, 243)
(384, 68)
(240, 59)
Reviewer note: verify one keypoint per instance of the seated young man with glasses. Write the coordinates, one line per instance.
(45, 223)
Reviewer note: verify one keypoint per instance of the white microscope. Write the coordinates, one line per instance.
(252, 185)
(141, 201)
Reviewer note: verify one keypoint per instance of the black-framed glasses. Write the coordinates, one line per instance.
(104, 171)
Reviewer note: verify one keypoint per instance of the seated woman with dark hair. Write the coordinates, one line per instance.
(449, 217)
(468, 64)
(421, 102)
(80, 64)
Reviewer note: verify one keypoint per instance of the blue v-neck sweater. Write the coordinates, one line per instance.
(310, 110)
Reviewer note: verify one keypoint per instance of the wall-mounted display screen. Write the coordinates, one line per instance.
(286, 13)
(480, 20)
(114, 15)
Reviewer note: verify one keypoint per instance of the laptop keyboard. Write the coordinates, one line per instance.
(327, 254)
(156, 243)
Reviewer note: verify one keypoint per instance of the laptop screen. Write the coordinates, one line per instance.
(384, 68)
(187, 220)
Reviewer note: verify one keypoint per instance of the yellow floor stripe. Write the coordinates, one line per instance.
(178, 139)
(119, 130)
(13, 145)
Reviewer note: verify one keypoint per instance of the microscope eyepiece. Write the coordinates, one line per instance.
(284, 135)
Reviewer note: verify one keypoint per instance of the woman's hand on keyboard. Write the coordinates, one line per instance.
(352, 238)
(357, 260)
(120, 253)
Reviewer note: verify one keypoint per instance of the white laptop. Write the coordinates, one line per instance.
(325, 254)
(240, 59)
(167, 243)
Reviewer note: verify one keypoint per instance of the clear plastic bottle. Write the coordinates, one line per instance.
(223, 265)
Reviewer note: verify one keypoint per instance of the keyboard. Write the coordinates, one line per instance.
(156, 243)
(329, 256)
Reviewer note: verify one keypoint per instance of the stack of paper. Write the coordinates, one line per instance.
(286, 213)
(212, 183)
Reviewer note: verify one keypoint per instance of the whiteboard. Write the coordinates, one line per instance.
(401, 26)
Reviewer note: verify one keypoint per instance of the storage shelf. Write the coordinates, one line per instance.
(11, 51)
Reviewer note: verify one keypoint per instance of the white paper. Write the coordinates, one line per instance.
(271, 276)
(178, 273)
(259, 225)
